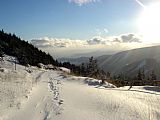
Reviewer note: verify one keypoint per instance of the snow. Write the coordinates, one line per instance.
(65, 69)
(53, 95)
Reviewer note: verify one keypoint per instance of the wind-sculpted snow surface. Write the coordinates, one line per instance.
(52, 95)
(28, 93)
(14, 86)
(83, 102)
(44, 102)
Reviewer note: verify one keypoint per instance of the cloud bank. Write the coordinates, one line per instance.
(97, 40)
(62, 47)
(81, 2)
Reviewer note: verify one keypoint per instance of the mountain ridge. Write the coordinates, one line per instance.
(119, 62)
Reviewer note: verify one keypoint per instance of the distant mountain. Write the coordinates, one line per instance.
(76, 61)
(102, 58)
(147, 64)
(95, 54)
(80, 60)
(129, 62)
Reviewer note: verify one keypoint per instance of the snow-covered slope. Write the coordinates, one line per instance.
(52, 95)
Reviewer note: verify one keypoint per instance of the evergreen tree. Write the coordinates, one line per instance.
(139, 76)
(143, 75)
(153, 75)
(108, 75)
(83, 69)
(1, 54)
(104, 76)
(92, 67)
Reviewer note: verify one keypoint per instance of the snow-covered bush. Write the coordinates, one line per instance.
(66, 70)
(40, 65)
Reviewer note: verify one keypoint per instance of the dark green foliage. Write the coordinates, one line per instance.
(74, 69)
(83, 69)
(92, 70)
(1, 53)
(120, 76)
(139, 75)
(89, 69)
(25, 52)
(143, 75)
(153, 75)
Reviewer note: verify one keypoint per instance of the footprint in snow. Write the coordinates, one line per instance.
(60, 102)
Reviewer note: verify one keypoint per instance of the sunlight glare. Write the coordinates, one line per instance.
(149, 23)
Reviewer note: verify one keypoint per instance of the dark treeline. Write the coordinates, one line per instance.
(136, 80)
(89, 69)
(25, 52)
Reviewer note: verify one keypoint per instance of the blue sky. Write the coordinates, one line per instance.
(63, 19)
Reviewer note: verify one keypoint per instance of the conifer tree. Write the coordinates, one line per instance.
(92, 67)
(82, 69)
(143, 75)
(139, 75)
(153, 75)
(1, 54)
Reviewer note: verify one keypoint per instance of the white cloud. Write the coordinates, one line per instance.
(57, 43)
(81, 2)
(105, 30)
(97, 40)
(101, 32)
(128, 38)
(67, 47)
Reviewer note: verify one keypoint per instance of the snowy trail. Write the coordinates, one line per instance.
(58, 98)
(43, 102)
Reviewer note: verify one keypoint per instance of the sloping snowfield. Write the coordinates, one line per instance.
(37, 94)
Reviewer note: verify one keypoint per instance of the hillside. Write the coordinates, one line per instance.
(25, 52)
(129, 62)
(102, 58)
